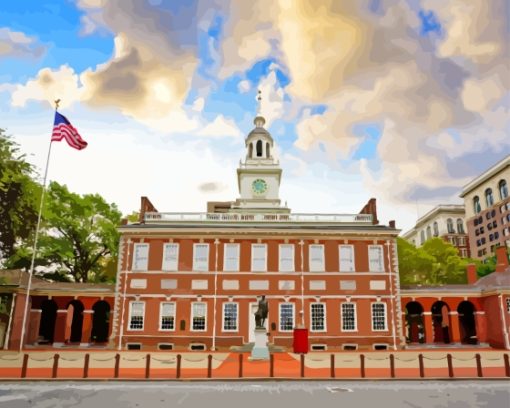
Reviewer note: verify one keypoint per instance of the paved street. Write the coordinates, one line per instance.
(409, 394)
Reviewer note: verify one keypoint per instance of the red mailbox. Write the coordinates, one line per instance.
(300, 341)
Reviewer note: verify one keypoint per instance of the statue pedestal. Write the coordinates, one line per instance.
(260, 350)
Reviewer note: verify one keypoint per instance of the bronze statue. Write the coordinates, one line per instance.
(261, 313)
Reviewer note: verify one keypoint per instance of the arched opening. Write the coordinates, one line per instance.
(100, 321)
(429, 232)
(436, 229)
(460, 226)
(467, 325)
(415, 326)
(489, 198)
(503, 189)
(476, 204)
(449, 226)
(259, 148)
(74, 321)
(48, 319)
(250, 151)
(441, 322)
(267, 151)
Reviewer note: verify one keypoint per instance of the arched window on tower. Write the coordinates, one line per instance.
(250, 151)
(489, 198)
(476, 205)
(259, 148)
(503, 189)
(267, 150)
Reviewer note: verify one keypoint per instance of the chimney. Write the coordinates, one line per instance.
(472, 276)
(392, 224)
(501, 259)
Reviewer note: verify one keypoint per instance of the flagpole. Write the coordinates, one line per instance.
(34, 248)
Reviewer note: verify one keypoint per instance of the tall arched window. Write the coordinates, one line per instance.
(503, 189)
(489, 198)
(259, 148)
(250, 153)
(476, 204)
(267, 150)
(460, 226)
(429, 233)
(436, 229)
(449, 226)
(422, 237)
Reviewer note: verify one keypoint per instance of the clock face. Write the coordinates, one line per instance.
(259, 186)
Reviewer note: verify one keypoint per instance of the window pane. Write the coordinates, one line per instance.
(348, 316)
(346, 258)
(378, 316)
(231, 257)
(170, 257)
(318, 316)
(286, 258)
(258, 257)
(141, 257)
(199, 316)
(136, 316)
(376, 263)
(286, 316)
(316, 258)
(167, 316)
(230, 316)
(201, 257)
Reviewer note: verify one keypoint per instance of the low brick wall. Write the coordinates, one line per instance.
(65, 364)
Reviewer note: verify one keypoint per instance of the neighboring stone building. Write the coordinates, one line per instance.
(444, 221)
(192, 281)
(487, 204)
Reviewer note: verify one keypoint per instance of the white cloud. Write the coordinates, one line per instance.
(18, 44)
(244, 86)
(220, 127)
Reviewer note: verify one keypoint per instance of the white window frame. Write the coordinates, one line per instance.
(193, 316)
(281, 266)
(311, 318)
(381, 258)
(280, 316)
(131, 315)
(161, 316)
(200, 265)
(225, 263)
(341, 266)
(385, 316)
(342, 317)
(135, 266)
(236, 320)
(264, 269)
(316, 266)
(171, 265)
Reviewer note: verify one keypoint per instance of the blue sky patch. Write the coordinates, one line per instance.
(370, 133)
(429, 22)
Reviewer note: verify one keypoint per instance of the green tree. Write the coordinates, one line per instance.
(437, 262)
(78, 239)
(19, 197)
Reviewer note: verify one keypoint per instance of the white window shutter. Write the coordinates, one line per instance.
(231, 257)
(201, 257)
(170, 257)
(346, 258)
(286, 258)
(316, 258)
(141, 257)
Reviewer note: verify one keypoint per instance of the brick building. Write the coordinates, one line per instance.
(193, 280)
(487, 204)
(444, 221)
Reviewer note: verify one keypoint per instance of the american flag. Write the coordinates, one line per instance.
(62, 129)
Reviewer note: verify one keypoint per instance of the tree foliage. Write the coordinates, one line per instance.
(436, 262)
(19, 196)
(79, 237)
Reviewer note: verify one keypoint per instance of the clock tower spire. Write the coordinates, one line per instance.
(260, 174)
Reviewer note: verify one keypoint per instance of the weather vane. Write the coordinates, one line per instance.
(57, 102)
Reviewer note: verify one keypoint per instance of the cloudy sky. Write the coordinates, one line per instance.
(402, 100)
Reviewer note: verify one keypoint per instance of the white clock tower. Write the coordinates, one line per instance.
(259, 176)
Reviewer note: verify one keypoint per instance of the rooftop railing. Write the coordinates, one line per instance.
(157, 217)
